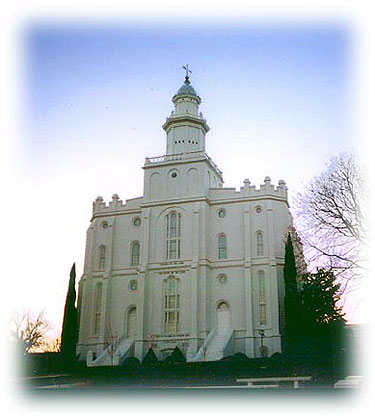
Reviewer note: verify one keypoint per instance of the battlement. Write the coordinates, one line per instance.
(100, 206)
(249, 191)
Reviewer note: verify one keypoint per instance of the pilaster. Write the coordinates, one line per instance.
(203, 282)
(82, 313)
(270, 231)
(193, 342)
(108, 332)
(249, 341)
(142, 278)
(89, 250)
(273, 308)
(103, 314)
(138, 347)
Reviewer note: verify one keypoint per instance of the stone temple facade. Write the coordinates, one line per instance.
(190, 264)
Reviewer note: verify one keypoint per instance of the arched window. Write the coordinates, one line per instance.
(222, 246)
(101, 257)
(173, 236)
(134, 257)
(171, 305)
(259, 244)
(97, 306)
(262, 298)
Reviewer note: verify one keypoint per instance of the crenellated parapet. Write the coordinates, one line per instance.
(250, 191)
(99, 206)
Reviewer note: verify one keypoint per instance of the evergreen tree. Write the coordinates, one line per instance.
(69, 329)
(150, 358)
(176, 356)
(320, 298)
(292, 305)
(323, 320)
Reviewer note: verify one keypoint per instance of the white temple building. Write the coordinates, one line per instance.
(190, 264)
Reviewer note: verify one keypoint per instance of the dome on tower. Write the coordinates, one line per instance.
(186, 89)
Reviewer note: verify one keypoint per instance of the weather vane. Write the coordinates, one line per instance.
(187, 72)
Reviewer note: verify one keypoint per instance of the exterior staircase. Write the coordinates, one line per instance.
(113, 355)
(216, 346)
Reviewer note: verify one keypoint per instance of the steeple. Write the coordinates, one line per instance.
(185, 129)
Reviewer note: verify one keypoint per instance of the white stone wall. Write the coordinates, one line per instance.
(200, 227)
(191, 179)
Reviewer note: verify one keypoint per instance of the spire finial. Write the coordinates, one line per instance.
(186, 68)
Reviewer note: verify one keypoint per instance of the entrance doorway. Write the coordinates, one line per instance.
(223, 317)
(131, 323)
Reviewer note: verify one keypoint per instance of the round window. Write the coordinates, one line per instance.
(104, 225)
(133, 285)
(174, 174)
(222, 278)
(258, 209)
(221, 213)
(137, 221)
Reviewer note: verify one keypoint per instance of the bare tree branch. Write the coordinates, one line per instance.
(330, 218)
(28, 332)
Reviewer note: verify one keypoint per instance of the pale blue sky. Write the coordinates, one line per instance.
(277, 99)
(286, 87)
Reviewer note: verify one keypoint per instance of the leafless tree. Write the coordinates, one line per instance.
(331, 219)
(29, 332)
(52, 345)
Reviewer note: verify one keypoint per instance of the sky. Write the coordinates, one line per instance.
(277, 96)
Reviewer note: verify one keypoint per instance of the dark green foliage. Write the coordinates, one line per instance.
(276, 359)
(69, 334)
(323, 319)
(292, 304)
(319, 298)
(313, 321)
(132, 363)
(150, 358)
(238, 357)
(176, 356)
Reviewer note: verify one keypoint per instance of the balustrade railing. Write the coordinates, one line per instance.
(180, 156)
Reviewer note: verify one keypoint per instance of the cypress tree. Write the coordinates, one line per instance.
(291, 300)
(150, 358)
(176, 356)
(69, 328)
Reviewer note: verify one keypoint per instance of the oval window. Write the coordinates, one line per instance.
(133, 285)
(222, 278)
(221, 213)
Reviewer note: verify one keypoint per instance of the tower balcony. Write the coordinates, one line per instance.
(187, 156)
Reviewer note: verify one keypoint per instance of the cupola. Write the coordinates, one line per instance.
(186, 127)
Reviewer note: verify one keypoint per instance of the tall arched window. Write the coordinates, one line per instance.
(222, 246)
(259, 244)
(97, 306)
(173, 236)
(101, 257)
(134, 257)
(171, 305)
(262, 299)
